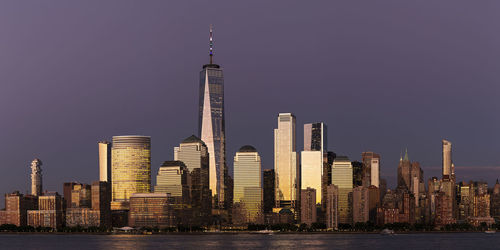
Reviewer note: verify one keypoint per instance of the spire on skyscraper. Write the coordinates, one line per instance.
(211, 43)
(406, 155)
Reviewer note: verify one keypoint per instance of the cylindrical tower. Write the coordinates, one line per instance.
(130, 168)
(36, 177)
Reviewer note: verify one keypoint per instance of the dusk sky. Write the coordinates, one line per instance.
(383, 75)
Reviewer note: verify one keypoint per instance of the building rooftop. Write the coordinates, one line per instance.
(247, 149)
(172, 163)
(192, 139)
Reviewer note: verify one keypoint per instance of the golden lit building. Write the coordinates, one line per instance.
(104, 161)
(342, 178)
(172, 179)
(313, 158)
(130, 168)
(248, 183)
(286, 164)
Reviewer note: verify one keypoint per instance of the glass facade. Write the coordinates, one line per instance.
(313, 158)
(172, 179)
(342, 178)
(194, 154)
(130, 167)
(211, 127)
(286, 164)
(247, 183)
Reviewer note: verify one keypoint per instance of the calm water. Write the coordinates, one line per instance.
(254, 241)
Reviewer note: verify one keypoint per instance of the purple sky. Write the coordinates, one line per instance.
(383, 75)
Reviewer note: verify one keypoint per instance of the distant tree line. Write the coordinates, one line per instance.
(286, 227)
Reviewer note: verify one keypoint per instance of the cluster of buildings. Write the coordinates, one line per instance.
(195, 189)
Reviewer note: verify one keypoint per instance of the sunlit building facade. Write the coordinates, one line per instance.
(172, 179)
(286, 163)
(211, 123)
(104, 161)
(447, 162)
(153, 210)
(342, 178)
(248, 183)
(130, 168)
(313, 158)
(36, 177)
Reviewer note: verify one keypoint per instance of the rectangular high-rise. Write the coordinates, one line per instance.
(447, 162)
(172, 179)
(211, 123)
(269, 195)
(286, 163)
(194, 154)
(104, 161)
(371, 169)
(342, 178)
(308, 206)
(313, 158)
(248, 184)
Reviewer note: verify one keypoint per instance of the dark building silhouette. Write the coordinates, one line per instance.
(269, 198)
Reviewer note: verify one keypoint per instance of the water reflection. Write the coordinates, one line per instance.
(251, 241)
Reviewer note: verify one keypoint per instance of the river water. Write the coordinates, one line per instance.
(433, 241)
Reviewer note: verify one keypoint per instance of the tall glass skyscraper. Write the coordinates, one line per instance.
(130, 168)
(313, 158)
(342, 178)
(248, 183)
(193, 153)
(211, 127)
(286, 165)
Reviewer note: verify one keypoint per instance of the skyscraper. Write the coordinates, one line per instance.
(371, 171)
(36, 177)
(130, 168)
(308, 206)
(248, 183)
(313, 158)
(286, 163)
(211, 122)
(104, 161)
(342, 178)
(194, 154)
(269, 194)
(172, 179)
(404, 168)
(447, 162)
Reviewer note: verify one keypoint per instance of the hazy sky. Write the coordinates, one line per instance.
(383, 75)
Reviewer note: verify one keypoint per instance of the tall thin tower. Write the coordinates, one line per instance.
(447, 162)
(286, 163)
(211, 123)
(36, 177)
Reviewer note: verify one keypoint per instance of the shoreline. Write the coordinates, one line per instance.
(232, 233)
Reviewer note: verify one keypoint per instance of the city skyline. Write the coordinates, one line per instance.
(250, 114)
